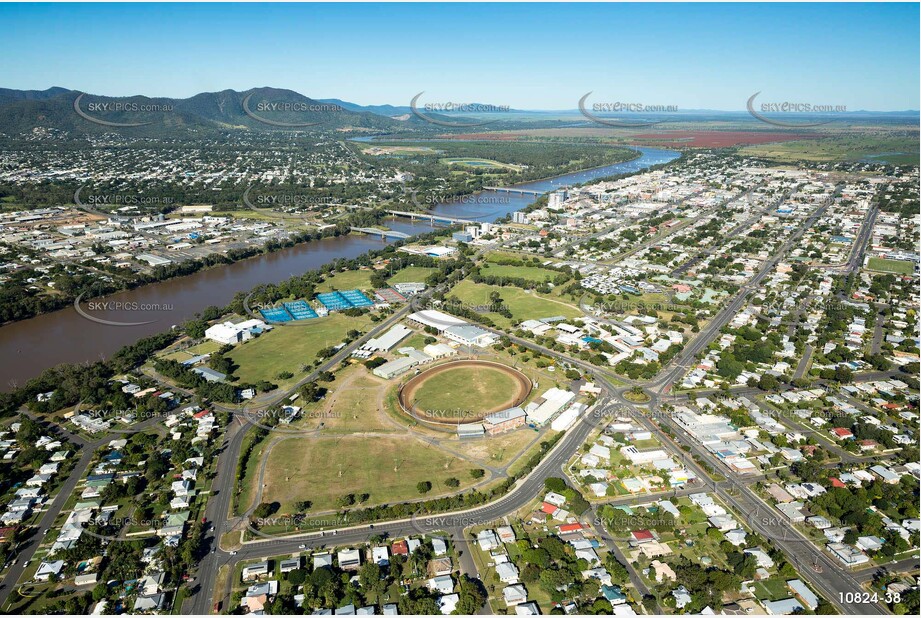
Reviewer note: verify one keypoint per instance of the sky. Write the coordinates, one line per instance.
(526, 56)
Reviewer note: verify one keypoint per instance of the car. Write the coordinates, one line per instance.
(213, 550)
(233, 553)
(302, 546)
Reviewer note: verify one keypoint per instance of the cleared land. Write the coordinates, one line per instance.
(522, 304)
(291, 348)
(891, 266)
(388, 468)
(464, 391)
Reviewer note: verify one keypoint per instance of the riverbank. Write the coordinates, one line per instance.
(28, 347)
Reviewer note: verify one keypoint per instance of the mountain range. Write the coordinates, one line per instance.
(257, 109)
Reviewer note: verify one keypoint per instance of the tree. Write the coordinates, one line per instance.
(452, 482)
(477, 473)
(423, 487)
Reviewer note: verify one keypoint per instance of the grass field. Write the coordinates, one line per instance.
(465, 392)
(411, 274)
(891, 266)
(896, 150)
(290, 348)
(349, 280)
(531, 273)
(387, 468)
(353, 405)
(523, 305)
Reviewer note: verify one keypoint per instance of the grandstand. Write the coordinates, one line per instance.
(337, 301)
(300, 310)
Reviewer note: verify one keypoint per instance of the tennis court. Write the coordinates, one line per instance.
(275, 314)
(356, 298)
(334, 301)
(300, 310)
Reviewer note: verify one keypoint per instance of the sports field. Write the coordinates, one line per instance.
(411, 274)
(349, 280)
(464, 391)
(386, 468)
(289, 348)
(522, 304)
(891, 266)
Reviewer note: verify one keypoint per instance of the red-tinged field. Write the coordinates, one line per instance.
(504, 137)
(716, 139)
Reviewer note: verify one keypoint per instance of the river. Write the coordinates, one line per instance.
(28, 347)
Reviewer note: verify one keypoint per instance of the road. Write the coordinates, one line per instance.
(830, 580)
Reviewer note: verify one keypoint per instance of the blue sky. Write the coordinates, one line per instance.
(535, 56)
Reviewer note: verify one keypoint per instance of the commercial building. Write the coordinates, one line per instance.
(548, 405)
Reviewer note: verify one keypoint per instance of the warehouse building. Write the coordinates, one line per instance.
(394, 368)
(389, 339)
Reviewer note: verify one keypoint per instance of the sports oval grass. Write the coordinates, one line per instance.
(463, 391)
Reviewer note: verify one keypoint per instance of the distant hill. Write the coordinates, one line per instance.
(380, 110)
(270, 109)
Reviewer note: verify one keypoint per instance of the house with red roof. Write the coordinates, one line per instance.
(840, 433)
(643, 536)
(400, 548)
(836, 483)
(571, 527)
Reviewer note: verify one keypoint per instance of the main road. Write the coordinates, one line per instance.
(831, 579)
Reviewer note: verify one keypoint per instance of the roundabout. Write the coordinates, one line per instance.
(463, 391)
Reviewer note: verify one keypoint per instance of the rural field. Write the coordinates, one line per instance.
(891, 266)
(289, 348)
(386, 468)
(464, 391)
(522, 304)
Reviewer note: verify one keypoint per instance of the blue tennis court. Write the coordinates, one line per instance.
(275, 314)
(300, 310)
(356, 298)
(334, 301)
